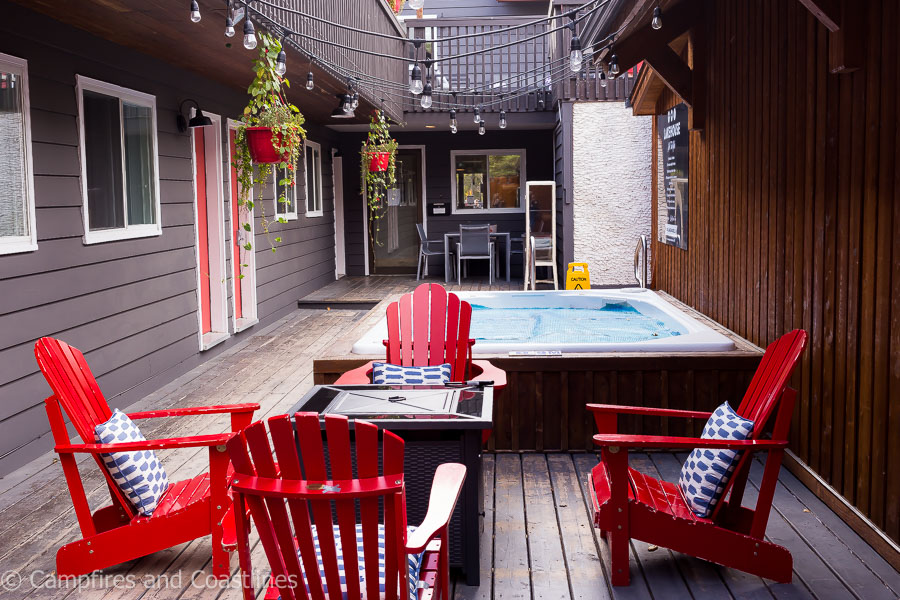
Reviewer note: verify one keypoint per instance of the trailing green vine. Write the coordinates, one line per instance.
(267, 107)
(377, 183)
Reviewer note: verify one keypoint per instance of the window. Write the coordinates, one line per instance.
(287, 208)
(119, 165)
(313, 178)
(17, 230)
(487, 180)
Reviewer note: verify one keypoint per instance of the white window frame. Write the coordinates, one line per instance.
(277, 175)
(247, 284)
(127, 232)
(22, 243)
(487, 211)
(316, 165)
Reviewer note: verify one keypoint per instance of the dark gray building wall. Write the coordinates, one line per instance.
(130, 306)
(562, 161)
(539, 165)
(452, 9)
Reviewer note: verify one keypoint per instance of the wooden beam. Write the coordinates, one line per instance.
(672, 70)
(676, 20)
(827, 12)
(847, 45)
(699, 49)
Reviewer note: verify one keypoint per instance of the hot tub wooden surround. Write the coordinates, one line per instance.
(543, 405)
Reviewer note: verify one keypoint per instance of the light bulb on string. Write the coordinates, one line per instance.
(541, 103)
(656, 22)
(195, 11)
(453, 122)
(229, 26)
(249, 34)
(426, 100)
(348, 104)
(477, 117)
(502, 119)
(415, 80)
(613, 65)
(481, 127)
(281, 63)
(576, 55)
(354, 100)
(602, 78)
(416, 4)
(310, 83)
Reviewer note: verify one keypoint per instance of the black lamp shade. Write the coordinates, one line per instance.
(199, 120)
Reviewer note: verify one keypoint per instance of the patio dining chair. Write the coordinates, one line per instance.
(184, 510)
(475, 244)
(426, 249)
(697, 516)
(369, 551)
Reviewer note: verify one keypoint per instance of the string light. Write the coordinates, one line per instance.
(656, 23)
(281, 63)
(453, 123)
(415, 80)
(249, 34)
(481, 127)
(477, 116)
(541, 103)
(502, 119)
(426, 100)
(602, 78)
(613, 65)
(310, 83)
(416, 4)
(229, 26)
(195, 11)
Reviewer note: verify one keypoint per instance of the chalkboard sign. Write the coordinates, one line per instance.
(672, 169)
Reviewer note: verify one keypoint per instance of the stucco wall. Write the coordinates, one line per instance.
(612, 156)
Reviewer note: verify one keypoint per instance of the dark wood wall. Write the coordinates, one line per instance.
(538, 146)
(130, 305)
(794, 210)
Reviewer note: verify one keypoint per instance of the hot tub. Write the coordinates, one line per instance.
(617, 320)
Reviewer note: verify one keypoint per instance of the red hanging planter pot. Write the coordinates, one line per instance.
(379, 161)
(259, 142)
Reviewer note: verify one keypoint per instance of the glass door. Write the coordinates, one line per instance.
(396, 239)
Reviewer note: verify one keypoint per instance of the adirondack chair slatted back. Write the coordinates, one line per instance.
(76, 392)
(767, 390)
(293, 502)
(430, 327)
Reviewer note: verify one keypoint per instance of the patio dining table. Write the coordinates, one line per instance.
(455, 234)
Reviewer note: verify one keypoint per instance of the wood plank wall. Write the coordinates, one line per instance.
(794, 207)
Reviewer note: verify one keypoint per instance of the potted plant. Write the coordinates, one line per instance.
(378, 158)
(270, 135)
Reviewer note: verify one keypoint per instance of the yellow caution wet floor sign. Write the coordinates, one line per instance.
(577, 277)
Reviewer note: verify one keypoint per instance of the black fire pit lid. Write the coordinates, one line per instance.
(406, 407)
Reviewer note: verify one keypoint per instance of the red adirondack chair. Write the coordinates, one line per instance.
(114, 534)
(311, 560)
(630, 505)
(431, 327)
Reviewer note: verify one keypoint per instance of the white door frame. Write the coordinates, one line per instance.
(215, 209)
(337, 186)
(420, 148)
(249, 316)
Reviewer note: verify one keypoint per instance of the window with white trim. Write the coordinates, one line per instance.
(285, 196)
(487, 180)
(17, 223)
(119, 162)
(312, 174)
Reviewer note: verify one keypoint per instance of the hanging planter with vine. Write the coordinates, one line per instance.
(378, 159)
(269, 137)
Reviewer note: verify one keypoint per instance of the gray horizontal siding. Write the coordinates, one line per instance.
(130, 306)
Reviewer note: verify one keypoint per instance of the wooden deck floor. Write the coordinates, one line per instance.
(537, 542)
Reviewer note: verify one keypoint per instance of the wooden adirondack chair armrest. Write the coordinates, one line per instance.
(445, 489)
(250, 407)
(197, 441)
(646, 410)
(609, 440)
(359, 375)
(488, 372)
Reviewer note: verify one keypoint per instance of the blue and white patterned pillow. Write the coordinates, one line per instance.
(707, 470)
(388, 374)
(414, 561)
(139, 475)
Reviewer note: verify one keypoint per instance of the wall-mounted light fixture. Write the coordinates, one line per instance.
(198, 120)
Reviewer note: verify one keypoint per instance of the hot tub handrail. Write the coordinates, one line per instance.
(640, 261)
